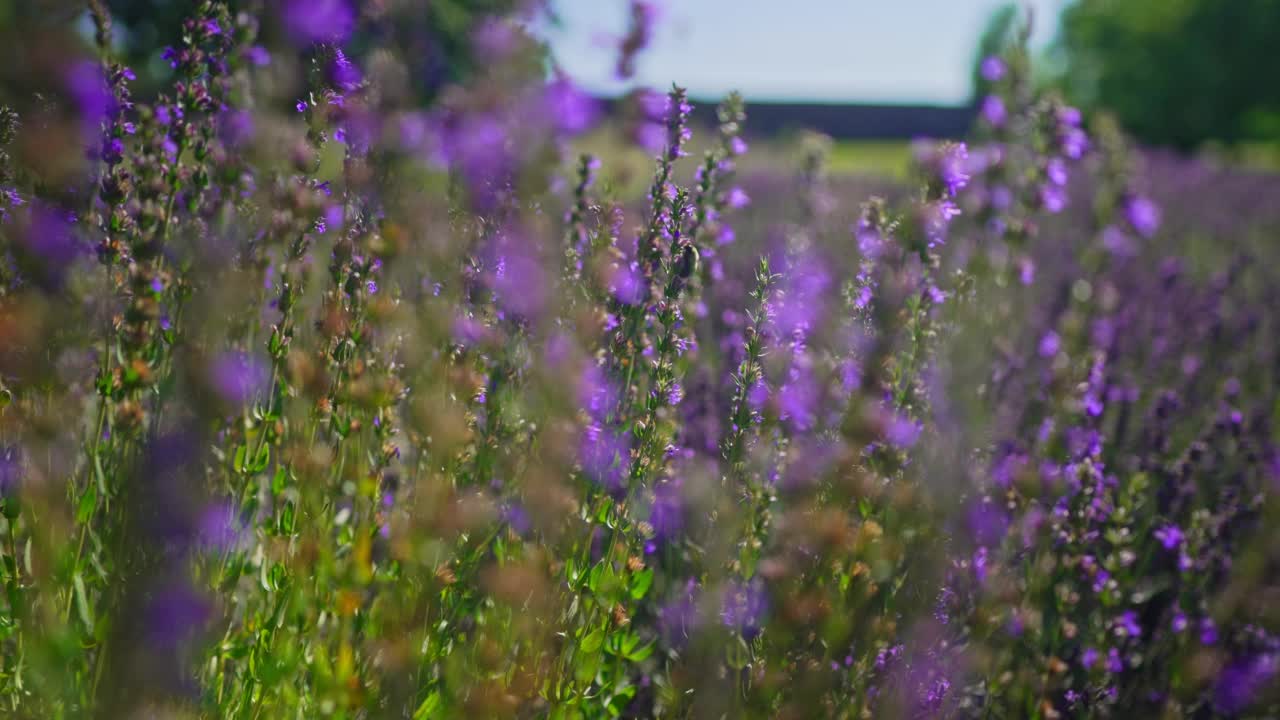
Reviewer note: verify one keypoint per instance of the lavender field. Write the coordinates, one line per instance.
(337, 381)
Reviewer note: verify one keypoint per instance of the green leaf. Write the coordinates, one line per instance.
(430, 708)
(88, 502)
(641, 654)
(263, 460)
(82, 603)
(738, 655)
(640, 583)
(592, 643)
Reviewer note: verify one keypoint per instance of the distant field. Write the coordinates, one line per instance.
(628, 168)
(881, 158)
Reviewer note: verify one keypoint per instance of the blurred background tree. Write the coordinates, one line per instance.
(1176, 72)
(439, 33)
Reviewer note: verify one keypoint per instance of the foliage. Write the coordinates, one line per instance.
(1176, 73)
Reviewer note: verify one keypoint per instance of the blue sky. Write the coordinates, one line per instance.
(828, 50)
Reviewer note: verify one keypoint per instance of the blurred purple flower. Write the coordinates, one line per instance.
(743, 605)
(1053, 198)
(627, 284)
(1116, 242)
(1239, 684)
(90, 93)
(993, 111)
(572, 110)
(1128, 624)
(1114, 662)
(237, 127)
(1170, 536)
(175, 614)
(312, 21)
(343, 73)
(737, 198)
(258, 55)
(1208, 632)
(902, 431)
(238, 378)
(1049, 344)
(678, 618)
(219, 528)
(1142, 214)
(992, 69)
(666, 515)
(604, 454)
(10, 470)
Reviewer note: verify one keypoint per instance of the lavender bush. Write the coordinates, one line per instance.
(322, 395)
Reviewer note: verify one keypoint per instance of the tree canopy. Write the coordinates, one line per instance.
(1176, 72)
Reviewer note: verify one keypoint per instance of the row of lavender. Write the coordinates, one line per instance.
(320, 403)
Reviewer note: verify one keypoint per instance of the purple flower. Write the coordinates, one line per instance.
(604, 455)
(1170, 536)
(237, 127)
(678, 618)
(1074, 143)
(344, 73)
(993, 111)
(1117, 242)
(1001, 197)
(1088, 658)
(651, 136)
(1240, 683)
(626, 284)
(797, 401)
(666, 515)
(494, 39)
(10, 470)
(219, 528)
(258, 55)
(1056, 171)
(1115, 664)
(937, 217)
(1053, 198)
(175, 615)
(992, 69)
(516, 517)
(1069, 117)
(1128, 624)
(902, 431)
(1143, 215)
(1208, 632)
(312, 21)
(742, 607)
(572, 110)
(238, 378)
(91, 94)
(1049, 344)
(988, 523)
(952, 167)
(1179, 623)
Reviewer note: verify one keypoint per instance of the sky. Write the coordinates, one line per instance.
(885, 51)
